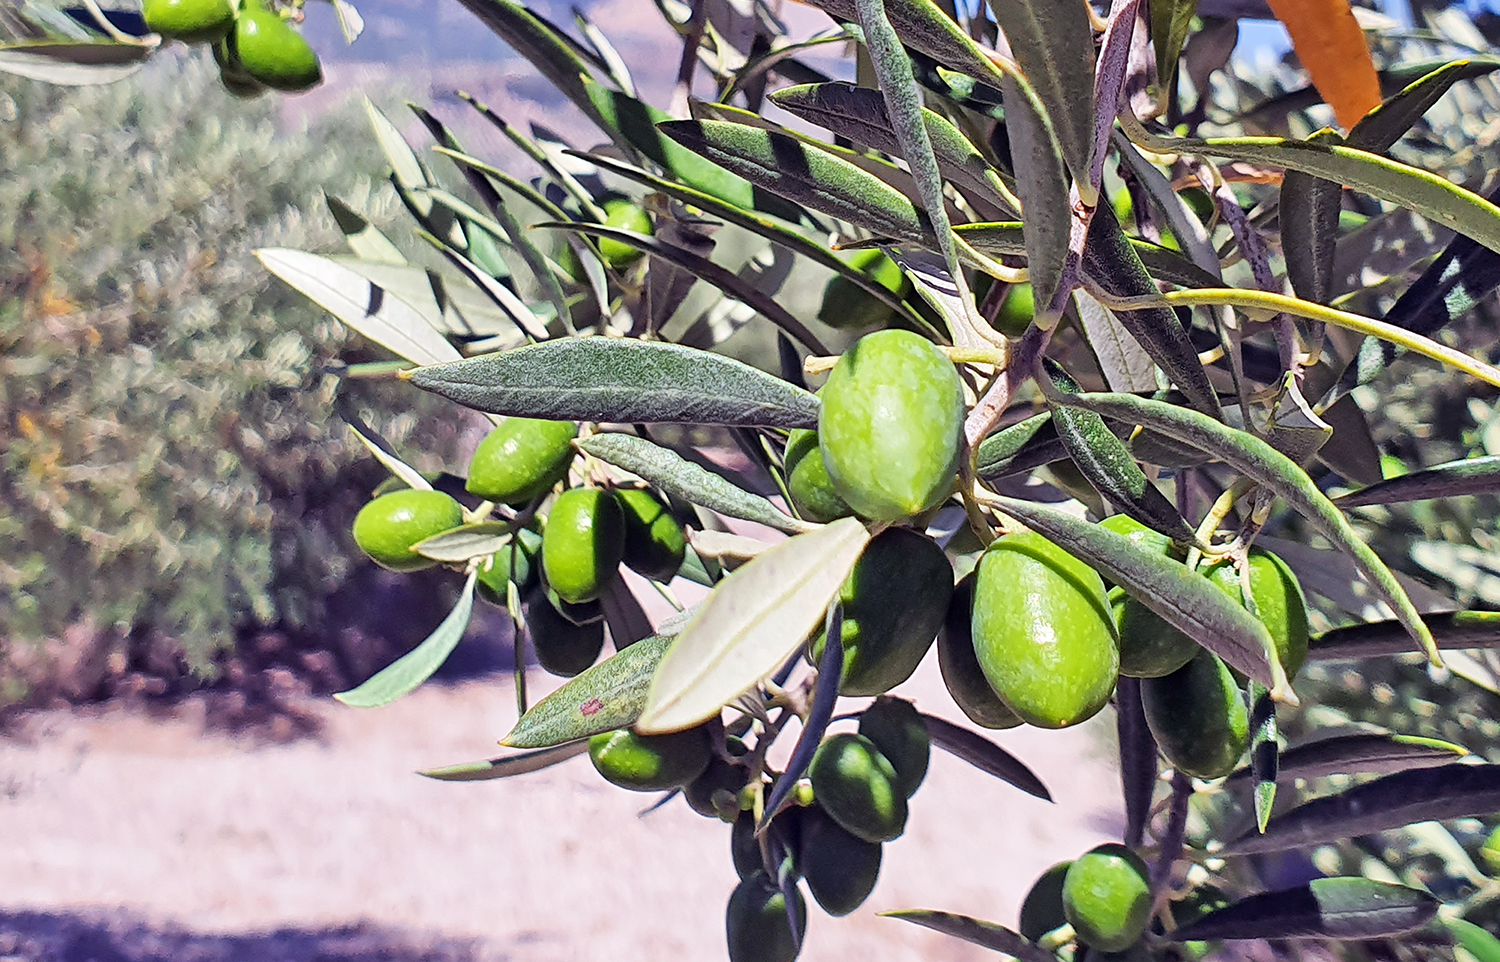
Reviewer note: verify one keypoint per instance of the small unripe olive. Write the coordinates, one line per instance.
(1042, 909)
(840, 869)
(962, 675)
(521, 459)
(757, 925)
(716, 792)
(388, 527)
(191, 21)
(1043, 631)
(514, 562)
(627, 216)
(858, 788)
(1107, 897)
(272, 52)
(891, 425)
(807, 479)
(654, 542)
(563, 646)
(1198, 717)
(583, 543)
(896, 728)
(849, 307)
(1017, 311)
(650, 763)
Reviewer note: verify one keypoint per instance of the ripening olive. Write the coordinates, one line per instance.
(858, 788)
(962, 675)
(521, 459)
(807, 479)
(1198, 716)
(884, 642)
(627, 216)
(650, 763)
(840, 869)
(654, 542)
(268, 49)
(1149, 647)
(891, 425)
(1107, 897)
(896, 728)
(191, 21)
(1043, 631)
(388, 527)
(583, 543)
(847, 306)
(757, 924)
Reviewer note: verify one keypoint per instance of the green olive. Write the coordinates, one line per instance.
(884, 642)
(858, 788)
(1489, 853)
(623, 214)
(891, 425)
(962, 675)
(563, 646)
(1279, 603)
(744, 844)
(388, 527)
(521, 460)
(807, 479)
(1149, 647)
(583, 543)
(1198, 716)
(839, 868)
(650, 763)
(268, 49)
(1107, 897)
(514, 562)
(1043, 631)
(654, 542)
(1042, 909)
(1017, 310)
(896, 728)
(757, 924)
(716, 792)
(191, 21)
(847, 306)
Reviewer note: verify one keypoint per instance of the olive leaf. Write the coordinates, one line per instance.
(1483, 946)
(1170, 20)
(605, 697)
(1360, 753)
(404, 674)
(465, 542)
(1041, 184)
(1310, 228)
(1452, 630)
(363, 305)
(923, 25)
(521, 316)
(1379, 129)
(1258, 460)
(1325, 908)
(1020, 447)
(73, 63)
(409, 475)
(984, 755)
(1450, 480)
(825, 696)
(363, 237)
(988, 934)
(1123, 362)
(1420, 795)
(1265, 752)
(1138, 758)
(750, 625)
(1187, 601)
(505, 766)
(681, 478)
(454, 309)
(621, 380)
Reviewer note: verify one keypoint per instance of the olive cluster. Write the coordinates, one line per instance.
(558, 562)
(256, 48)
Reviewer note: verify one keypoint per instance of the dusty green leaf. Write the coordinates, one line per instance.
(1020, 447)
(1170, 20)
(984, 755)
(505, 766)
(1310, 228)
(1361, 753)
(1124, 363)
(995, 937)
(404, 674)
(1451, 480)
(754, 620)
(458, 545)
(1325, 908)
(621, 380)
(366, 307)
(681, 478)
(924, 26)
(1417, 795)
(1379, 129)
(1453, 630)
(363, 237)
(72, 63)
(1041, 184)
(603, 698)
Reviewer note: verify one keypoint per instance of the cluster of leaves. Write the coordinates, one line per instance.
(980, 166)
(167, 458)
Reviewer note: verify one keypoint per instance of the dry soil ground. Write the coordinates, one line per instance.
(124, 839)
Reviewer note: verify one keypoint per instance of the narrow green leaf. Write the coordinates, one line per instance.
(363, 237)
(367, 308)
(1184, 599)
(923, 25)
(995, 937)
(517, 312)
(706, 270)
(1310, 228)
(1325, 908)
(1361, 753)
(681, 478)
(1041, 183)
(754, 620)
(410, 172)
(1124, 363)
(466, 542)
(621, 380)
(1022, 446)
(1418, 795)
(1450, 480)
(1170, 20)
(603, 698)
(1261, 462)
(1138, 758)
(1452, 630)
(72, 63)
(1475, 940)
(1054, 44)
(984, 755)
(507, 765)
(1265, 759)
(404, 674)
(1379, 129)
(860, 114)
(409, 475)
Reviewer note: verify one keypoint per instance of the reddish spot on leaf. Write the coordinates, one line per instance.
(591, 707)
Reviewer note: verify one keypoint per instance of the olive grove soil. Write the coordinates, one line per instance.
(134, 840)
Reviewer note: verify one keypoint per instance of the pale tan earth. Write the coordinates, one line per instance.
(124, 838)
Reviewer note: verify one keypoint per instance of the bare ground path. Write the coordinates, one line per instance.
(124, 839)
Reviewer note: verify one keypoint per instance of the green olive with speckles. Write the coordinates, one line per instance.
(650, 763)
(1043, 631)
(521, 459)
(891, 425)
(388, 527)
(1107, 897)
(1198, 717)
(191, 21)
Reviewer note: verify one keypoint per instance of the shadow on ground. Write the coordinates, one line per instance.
(122, 937)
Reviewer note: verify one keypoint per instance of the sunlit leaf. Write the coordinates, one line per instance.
(1325, 908)
(404, 674)
(505, 766)
(1451, 480)
(73, 63)
(465, 542)
(605, 697)
(1170, 20)
(750, 625)
(363, 237)
(1041, 184)
(923, 25)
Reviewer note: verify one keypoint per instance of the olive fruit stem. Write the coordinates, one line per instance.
(1172, 841)
(989, 408)
(1214, 518)
(481, 511)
